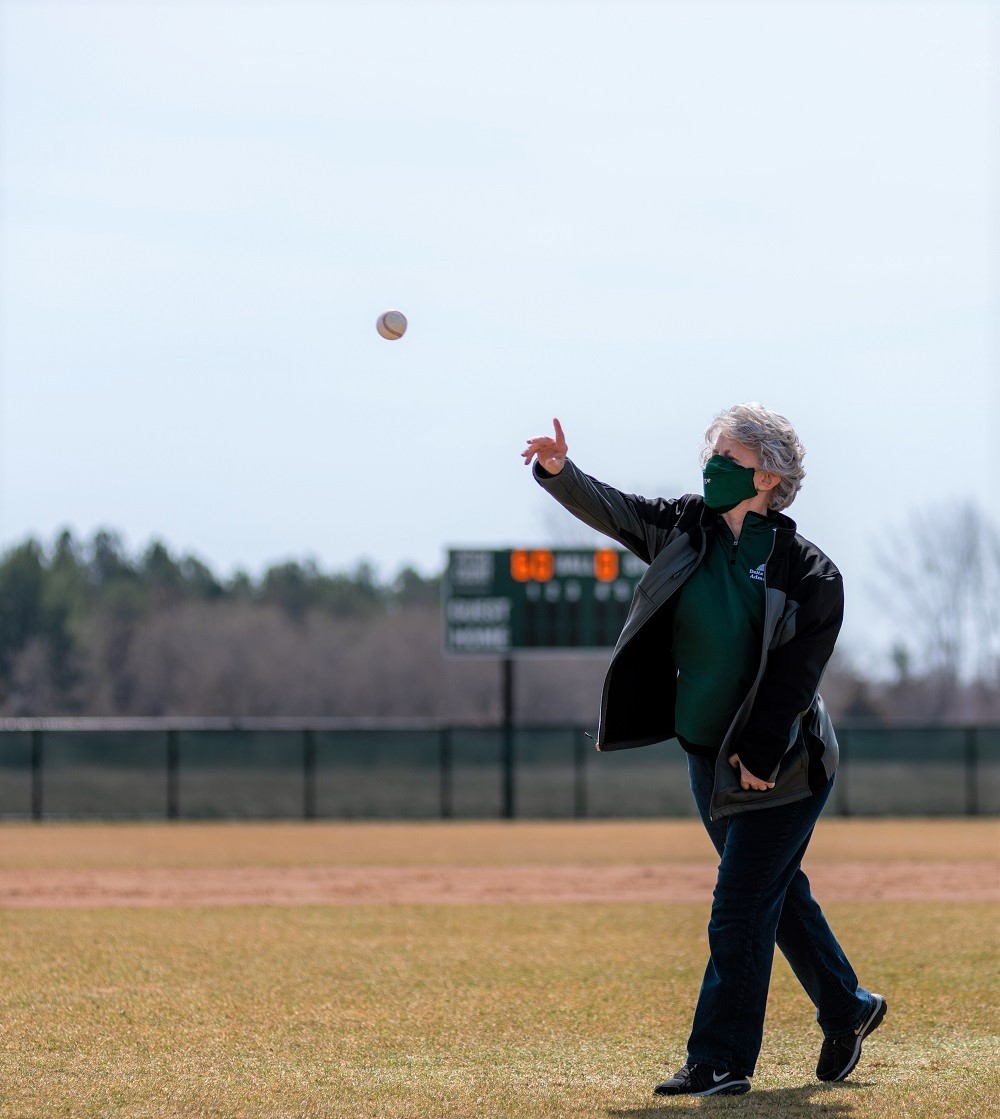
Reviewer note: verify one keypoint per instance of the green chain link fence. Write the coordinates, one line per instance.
(370, 769)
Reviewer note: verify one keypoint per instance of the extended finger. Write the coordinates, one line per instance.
(559, 431)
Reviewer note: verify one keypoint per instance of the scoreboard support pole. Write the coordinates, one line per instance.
(507, 747)
(498, 601)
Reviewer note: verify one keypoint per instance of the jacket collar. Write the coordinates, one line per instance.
(709, 521)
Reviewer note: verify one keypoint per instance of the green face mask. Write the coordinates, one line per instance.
(727, 483)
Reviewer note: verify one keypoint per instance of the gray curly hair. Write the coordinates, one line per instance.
(773, 438)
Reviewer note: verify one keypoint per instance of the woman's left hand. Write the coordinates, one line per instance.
(747, 779)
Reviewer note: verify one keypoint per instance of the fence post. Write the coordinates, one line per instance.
(507, 759)
(971, 772)
(173, 775)
(309, 774)
(37, 774)
(579, 775)
(445, 774)
(840, 785)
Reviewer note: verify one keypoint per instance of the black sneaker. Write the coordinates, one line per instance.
(702, 1080)
(840, 1054)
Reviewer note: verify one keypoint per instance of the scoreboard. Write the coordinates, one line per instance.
(537, 598)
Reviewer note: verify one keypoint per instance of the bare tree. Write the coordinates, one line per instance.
(939, 583)
(32, 689)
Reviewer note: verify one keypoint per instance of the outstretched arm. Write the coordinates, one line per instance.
(640, 524)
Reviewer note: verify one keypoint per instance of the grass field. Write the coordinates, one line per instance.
(462, 1010)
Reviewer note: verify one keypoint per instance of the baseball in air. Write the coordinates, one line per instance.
(391, 324)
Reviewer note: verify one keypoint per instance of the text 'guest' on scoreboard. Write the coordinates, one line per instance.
(537, 598)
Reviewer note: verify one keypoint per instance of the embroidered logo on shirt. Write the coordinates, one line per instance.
(757, 573)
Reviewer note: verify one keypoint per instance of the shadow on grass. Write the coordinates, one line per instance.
(809, 1100)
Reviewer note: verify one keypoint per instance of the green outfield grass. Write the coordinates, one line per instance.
(520, 1011)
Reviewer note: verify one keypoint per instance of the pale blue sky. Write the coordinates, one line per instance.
(629, 215)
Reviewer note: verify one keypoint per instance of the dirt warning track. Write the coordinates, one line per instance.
(435, 885)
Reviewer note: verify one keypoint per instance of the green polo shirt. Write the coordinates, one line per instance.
(718, 626)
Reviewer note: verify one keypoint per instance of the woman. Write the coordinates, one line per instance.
(729, 633)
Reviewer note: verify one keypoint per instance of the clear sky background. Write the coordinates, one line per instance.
(629, 215)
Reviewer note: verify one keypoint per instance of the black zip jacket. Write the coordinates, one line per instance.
(781, 731)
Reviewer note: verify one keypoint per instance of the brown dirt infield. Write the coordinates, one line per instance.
(151, 887)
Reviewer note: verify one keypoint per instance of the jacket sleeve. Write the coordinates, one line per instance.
(640, 524)
(792, 677)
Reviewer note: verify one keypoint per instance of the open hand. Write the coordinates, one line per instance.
(551, 453)
(747, 779)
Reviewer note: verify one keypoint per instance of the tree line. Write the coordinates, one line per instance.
(88, 629)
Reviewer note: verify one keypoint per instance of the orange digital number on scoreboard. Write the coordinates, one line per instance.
(605, 565)
(532, 566)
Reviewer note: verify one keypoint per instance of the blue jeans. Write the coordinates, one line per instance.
(762, 898)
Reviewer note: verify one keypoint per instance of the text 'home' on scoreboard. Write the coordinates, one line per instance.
(537, 598)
